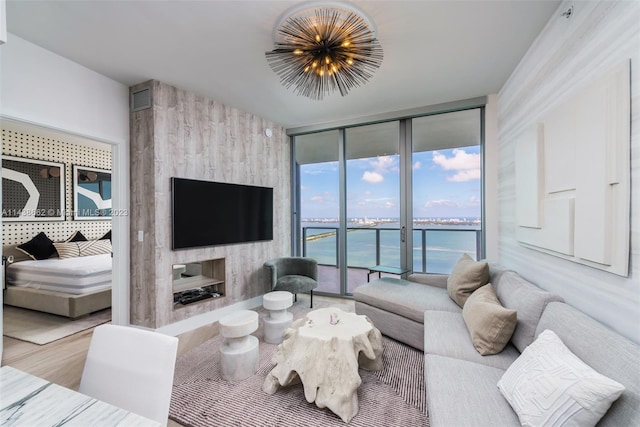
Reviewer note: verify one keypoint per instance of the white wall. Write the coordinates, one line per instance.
(567, 56)
(40, 87)
(490, 176)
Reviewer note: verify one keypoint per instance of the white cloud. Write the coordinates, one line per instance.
(320, 168)
(377, 202)
(464, 176)
(417, 165)
(384, 164)
(325, 197)
(440, 203)
(467, 166)
(381, 166)
(372, 177)
(473, 201)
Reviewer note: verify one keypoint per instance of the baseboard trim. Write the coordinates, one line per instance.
(206, 319)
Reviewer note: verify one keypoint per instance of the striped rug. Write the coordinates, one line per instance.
(394, 396)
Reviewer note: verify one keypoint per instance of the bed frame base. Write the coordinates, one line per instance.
(59, 303)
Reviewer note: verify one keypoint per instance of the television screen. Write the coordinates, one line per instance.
(206, 213)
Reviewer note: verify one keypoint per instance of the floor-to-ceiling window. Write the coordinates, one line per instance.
(447, 190)
(318, 189)
(372, 199)
(353, 204)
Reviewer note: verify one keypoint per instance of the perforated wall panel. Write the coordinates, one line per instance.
(20, 144)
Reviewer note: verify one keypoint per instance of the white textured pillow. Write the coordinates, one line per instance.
(86, 248)
(548, 385)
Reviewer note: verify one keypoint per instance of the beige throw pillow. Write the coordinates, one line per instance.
(490, 324)
(86, 248)
(467, 276)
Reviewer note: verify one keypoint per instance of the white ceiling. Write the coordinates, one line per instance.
(434, 51)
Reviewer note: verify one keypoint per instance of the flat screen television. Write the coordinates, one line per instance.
(207, 213)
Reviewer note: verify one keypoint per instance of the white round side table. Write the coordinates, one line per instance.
(279, 318)
(239, 353)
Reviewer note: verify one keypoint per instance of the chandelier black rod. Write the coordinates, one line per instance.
(334, 50)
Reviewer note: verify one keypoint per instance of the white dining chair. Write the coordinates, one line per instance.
(132, 369)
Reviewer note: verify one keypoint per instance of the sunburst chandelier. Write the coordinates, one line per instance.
(321, 48)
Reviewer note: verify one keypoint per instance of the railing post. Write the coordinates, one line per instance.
(337, 248)
(377, 246)
(304, 241)
(424, 250)
(478, 244)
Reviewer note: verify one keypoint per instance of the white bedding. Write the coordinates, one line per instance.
(71, 275)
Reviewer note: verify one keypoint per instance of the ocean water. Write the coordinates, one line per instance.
(444, 245)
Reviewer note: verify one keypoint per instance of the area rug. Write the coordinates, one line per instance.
(394, 396)
(42, 328)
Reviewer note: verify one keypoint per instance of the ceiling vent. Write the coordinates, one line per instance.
(141, 99)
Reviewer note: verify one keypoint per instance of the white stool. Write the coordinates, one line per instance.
(239, 352)
(279, 318)
(178, 269)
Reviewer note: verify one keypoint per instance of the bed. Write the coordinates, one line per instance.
(70, 287)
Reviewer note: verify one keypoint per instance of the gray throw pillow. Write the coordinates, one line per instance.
(490, 324)
(467, 276)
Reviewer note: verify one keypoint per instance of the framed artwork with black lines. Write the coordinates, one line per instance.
(32, 190)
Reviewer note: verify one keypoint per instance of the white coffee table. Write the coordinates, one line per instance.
(325, 357)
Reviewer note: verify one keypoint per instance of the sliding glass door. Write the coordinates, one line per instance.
(405, 194)
(317, 173)
(372, 199)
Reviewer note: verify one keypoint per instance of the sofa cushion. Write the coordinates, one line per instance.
(467, 276)
(464, 394)
(527, 299)
(431, 279)
(549, 385)
(394, 325)
(445, 334)
(490, 324)
(408, 299)
(605, 351)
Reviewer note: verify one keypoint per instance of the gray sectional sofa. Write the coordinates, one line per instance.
(461, 384)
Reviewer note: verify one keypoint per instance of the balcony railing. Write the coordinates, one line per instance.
(436, 250)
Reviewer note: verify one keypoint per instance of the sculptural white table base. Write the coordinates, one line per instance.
(325, 357)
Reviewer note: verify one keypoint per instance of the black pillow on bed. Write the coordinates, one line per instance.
(106, 236)
(40, 247)
(77, 237)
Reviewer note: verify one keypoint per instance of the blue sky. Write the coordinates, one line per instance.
(446, 184)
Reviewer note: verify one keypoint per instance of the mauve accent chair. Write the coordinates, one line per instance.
(293, 274)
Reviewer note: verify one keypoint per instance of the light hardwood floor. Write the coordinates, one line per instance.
(60, 362)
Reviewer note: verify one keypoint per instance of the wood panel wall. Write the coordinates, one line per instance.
(189, 136)
(567, 56)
